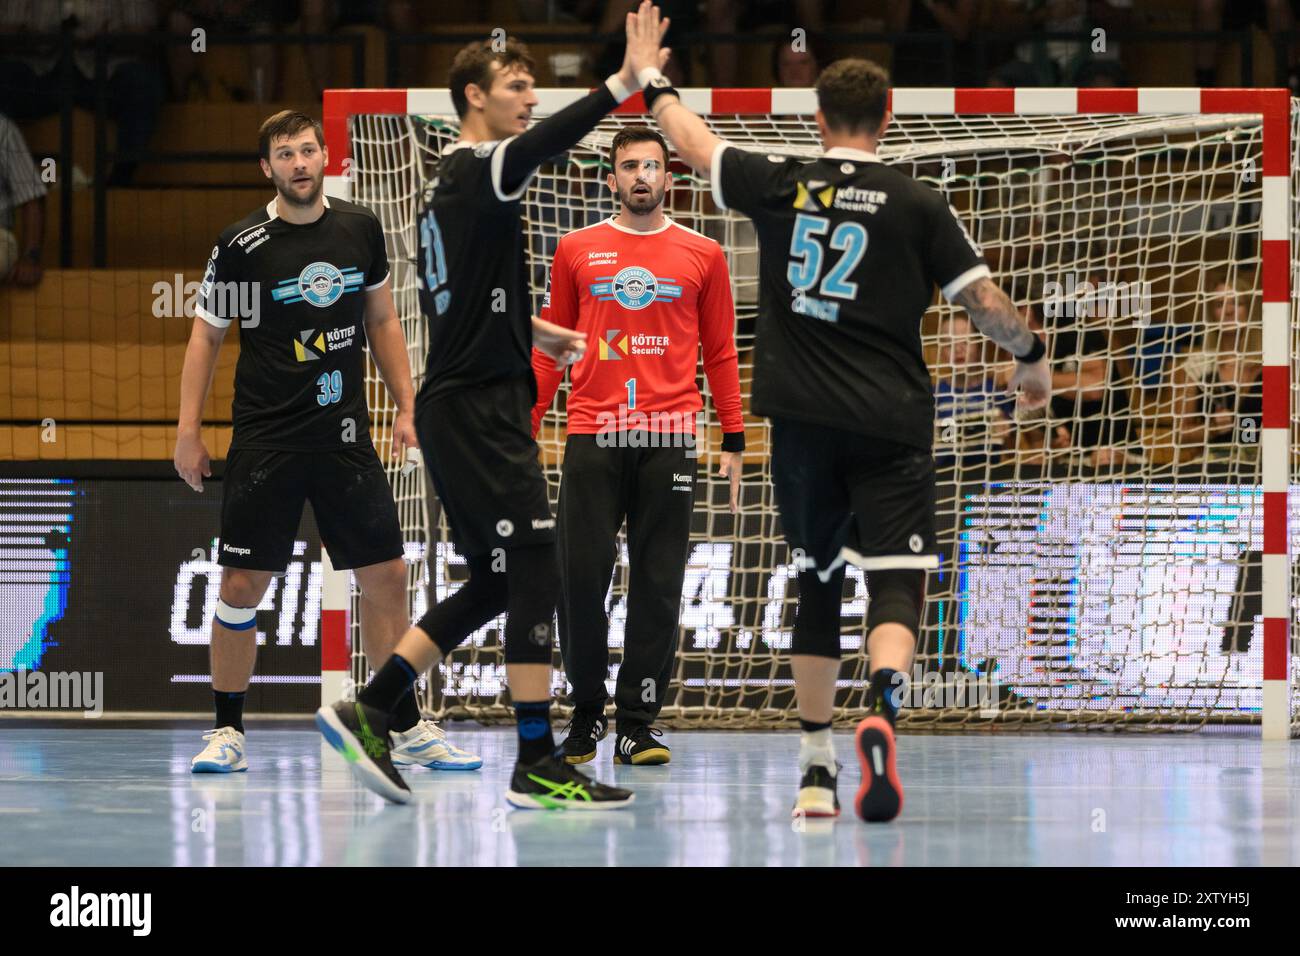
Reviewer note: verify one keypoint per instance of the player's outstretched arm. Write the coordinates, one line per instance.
(191, 455)
(689, 134)
(993, 313)
(562, 131)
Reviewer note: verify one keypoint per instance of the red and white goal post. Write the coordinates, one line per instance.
(1095, 594)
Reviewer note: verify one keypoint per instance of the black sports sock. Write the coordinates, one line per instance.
(811, 727)
(407, 713)
(388, 686)
(880, 695)
(230, 708)
(533, 719)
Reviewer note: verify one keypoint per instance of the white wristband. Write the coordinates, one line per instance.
(647, 76)
(616, 88)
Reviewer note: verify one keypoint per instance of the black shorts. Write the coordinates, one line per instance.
(479, 449)
(261, 504)
(849, 497)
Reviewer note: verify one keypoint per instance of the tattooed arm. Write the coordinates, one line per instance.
(993, 313)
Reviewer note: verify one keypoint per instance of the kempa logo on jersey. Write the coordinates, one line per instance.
(259, 234)
(230, 549)
(635, 288)
(307, 349)
(854, 199)
(320, 284)
(597, 258)
(540, 524)
(618, 345)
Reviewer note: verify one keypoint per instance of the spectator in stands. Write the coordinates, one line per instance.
(922, 62)
(794, 65)
(733, 17)
(325, 16)
(239, 17)
(1090, 386)
(1271, 16)
(33, 84)
(22, 204)
(1218, 387)
(973, 413)
(1058, 62)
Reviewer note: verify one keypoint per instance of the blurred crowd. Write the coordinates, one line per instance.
(1115, 404)
(1116, 401)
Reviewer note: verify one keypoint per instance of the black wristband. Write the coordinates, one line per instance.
(1037, 351)
(733, 441)
(657, 88)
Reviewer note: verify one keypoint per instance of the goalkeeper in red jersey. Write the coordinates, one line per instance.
(648, 293)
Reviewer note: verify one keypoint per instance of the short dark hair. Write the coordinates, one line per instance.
(473, 64)
(636, 134)
(285, 123)
(852, 94)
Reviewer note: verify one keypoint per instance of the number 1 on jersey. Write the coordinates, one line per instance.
(631, 393)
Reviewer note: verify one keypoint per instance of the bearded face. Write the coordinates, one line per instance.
(640, 177)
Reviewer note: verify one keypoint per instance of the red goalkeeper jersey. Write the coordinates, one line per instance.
(648, 302)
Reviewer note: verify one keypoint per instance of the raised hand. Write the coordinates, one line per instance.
(645, 33)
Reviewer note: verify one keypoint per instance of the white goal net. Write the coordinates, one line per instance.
(1107, 561)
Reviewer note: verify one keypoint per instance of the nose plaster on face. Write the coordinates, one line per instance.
(649, 172)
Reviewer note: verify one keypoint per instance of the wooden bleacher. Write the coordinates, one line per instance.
(85, 352)
(85, 349)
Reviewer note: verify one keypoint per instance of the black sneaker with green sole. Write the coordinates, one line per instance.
(551, 784)
(360, 734)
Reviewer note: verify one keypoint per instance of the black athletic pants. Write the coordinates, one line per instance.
(654, 488)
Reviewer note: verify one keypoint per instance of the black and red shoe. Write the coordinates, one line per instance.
(880, 798)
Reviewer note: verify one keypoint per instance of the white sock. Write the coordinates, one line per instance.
(816, 747)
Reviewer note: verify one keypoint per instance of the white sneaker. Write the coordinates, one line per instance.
(426, 745)
(223, 754)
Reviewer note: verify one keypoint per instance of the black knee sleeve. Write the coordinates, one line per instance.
(533, 583)
(896, 597)
(817, 621)
(478, 600)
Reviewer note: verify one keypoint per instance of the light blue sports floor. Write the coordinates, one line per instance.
(98, 795)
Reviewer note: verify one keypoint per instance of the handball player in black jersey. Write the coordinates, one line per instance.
(850, 252)
(306, 279)
(473, 417)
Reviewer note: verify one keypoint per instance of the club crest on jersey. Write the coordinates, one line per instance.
(813, 197)
(635, 288)
(320, 284)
